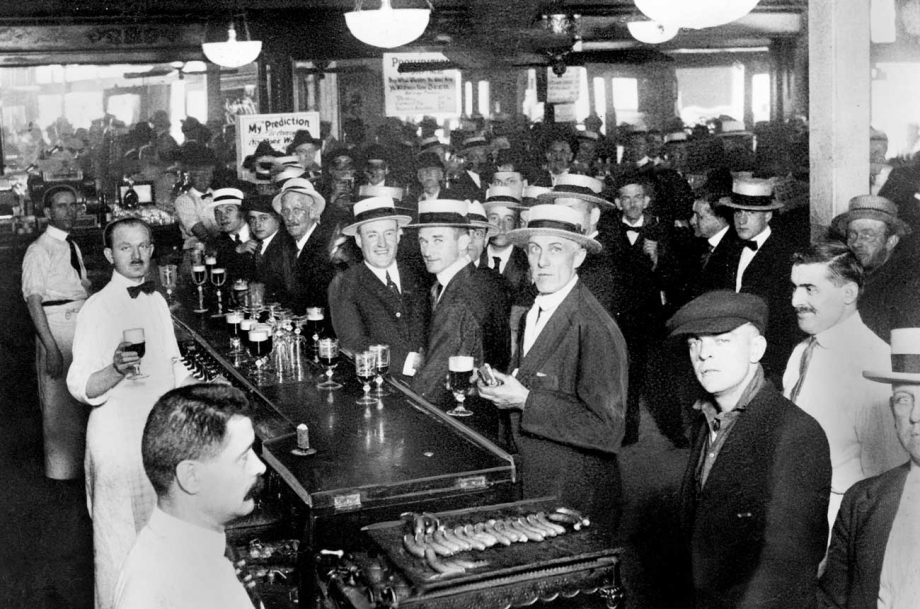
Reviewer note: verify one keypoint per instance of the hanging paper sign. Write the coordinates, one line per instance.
(564, 113)
(277, 129)
(413, 93)
(563, 89)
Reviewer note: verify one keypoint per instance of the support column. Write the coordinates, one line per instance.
(839, 106)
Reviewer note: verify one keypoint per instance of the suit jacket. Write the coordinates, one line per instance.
(860, 537)
(573, 422)
(367, 312)
(890, 297)
(312, 270)
(758, 528)
(239, 266)
(494, 302)
(274, 268)
(517, 272)
(465, 188)
(712, 270)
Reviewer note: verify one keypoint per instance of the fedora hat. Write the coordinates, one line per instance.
(429, 143)
(478, 219)
(556, 221)
(225, 196)
(302, 186)
(376, 190)
(375, 208)
(259, 203)
(905, 359)
(302, 136)
(504, 196)
(752, 194)
(477, 141)
(576, 186)
(442, 212)
(733, 129)
(871, 207)
(428, 159)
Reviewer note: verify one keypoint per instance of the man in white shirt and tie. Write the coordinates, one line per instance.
(195, 222)
(567, 398)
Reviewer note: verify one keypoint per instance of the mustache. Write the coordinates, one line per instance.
(256, 489)
(804, 310)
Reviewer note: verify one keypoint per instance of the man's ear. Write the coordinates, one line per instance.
(850, 292)
(580, 256)
(891, 242)
(595, 216)
(464, 242)
(187, 476)
(107, 252)
(758, 348)
(47, 212)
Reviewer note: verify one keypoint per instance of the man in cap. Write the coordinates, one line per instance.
(380, 300)
(824, 374)
(762, 266)
(753, 502)
(891, 294)
(196, 224)
(875, 545)
(273, 254)
(567, 399)
(472, 182)
(55, 286)
(234, 244)
(301, 208)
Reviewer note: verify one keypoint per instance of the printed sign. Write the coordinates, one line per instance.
(278, 129)
(413, 93)
(563, 89)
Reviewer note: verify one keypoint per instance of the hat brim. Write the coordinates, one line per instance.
(840, 222)
(447, 224)
(709, 325)
(401, 221)
(550, 197)
(317, 200)
(211, 205)
(517, 206)
(773, 206)
(520, 237)
(491, 229)
(894, 378)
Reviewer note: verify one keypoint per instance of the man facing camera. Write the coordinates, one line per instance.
(197, 452)
(567, 401)
(753, 503)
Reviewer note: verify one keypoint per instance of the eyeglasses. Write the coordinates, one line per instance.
(902, 402)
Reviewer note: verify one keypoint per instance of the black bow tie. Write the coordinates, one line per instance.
(207, 195)
(147, 288)
(751, 245)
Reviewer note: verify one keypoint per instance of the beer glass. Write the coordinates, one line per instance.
(460, 370)
(137, 344)
(315, 321)
(168, 279)
(234, 319)
(382, 365)
(199, 276)
(365, 370)
(329, 358)
(218, 279)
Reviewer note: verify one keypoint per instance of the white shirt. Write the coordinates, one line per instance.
(747, 255)
(46, 269)
(543, 308)
(178, 565)
(381, 274)
(852, 410)
(303, 240)
(268, 240)
(190, 210)
(716, 239)
(243, 233)
(899, 584)
(447, 274)
(555, 176)
(632, 236)
(476, 179)
(504, 256)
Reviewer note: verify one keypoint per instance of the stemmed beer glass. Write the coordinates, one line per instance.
(168, 279)
(329, 358)
(218, 279)
(199, 277)
(365, 369)
(460, 368)
(382, 365)
(137, 344)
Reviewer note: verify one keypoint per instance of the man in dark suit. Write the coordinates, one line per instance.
(568, 396)
(762, 266)
(472, 181)
(380, 301)
(502, 205)
(559, 157)
(713, 225)
(874, 554)
(272, 259)
(233, 253)
(753, 503)
(311, 268)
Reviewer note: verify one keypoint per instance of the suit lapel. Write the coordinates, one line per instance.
(555, 329)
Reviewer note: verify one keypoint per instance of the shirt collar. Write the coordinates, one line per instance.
(303, 240)
(762, 237)
(447, 274)
(839, 335)
(550, 302)
(187, 535)
(56, 233)
(639, 223)
(716, 239)
(752, 389)
(120, 280)
(381, 274)
(268, 240)
(243, 232)
(504, 254)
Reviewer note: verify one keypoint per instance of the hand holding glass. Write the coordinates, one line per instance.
(136, 344)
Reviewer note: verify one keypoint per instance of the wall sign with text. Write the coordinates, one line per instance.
(411, 93)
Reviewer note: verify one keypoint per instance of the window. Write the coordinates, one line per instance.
(707, 93)
(760, 97)
(626, 99)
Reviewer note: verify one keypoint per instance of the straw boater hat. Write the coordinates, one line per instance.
(752, 194)
(285, 168)
(872, 207)
(225, 196)
(676, 137)
(442, 212)
(478, 219)
(733, 129)
(587, 134)
(905, 359)
(504, 196)
(304, 187)
(531, 194)
(370, 190)
(575, 186)
(557, 221)
(477, 141)
(375, 208)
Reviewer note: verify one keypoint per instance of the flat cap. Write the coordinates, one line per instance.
(718, 312)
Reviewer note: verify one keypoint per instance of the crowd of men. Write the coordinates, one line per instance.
(572, 292)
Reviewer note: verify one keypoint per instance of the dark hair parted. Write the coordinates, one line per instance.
(109, 229)
(187, 423)
(842, 264)
(53, 191)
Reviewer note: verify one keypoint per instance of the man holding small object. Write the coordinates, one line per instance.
(119, 495)
(567, 399)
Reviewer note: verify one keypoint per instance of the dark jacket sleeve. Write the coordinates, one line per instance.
(834, 587)
(455, 331)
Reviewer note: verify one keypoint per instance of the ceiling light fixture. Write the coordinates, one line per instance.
(651, 32)
(232, 53)
(696, 15)
(387, 27)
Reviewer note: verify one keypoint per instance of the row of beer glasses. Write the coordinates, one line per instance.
(201, 273)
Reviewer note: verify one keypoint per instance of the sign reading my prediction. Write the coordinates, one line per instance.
(414, 93)
(277, 129)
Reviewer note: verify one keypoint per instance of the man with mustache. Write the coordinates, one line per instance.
(198, 452)
(824, 374)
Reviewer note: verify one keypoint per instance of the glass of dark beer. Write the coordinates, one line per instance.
(460, 374)
(365, 370)
(382, 365)
(329, 358)
(234, 319)
(136, 344)
(199, 277)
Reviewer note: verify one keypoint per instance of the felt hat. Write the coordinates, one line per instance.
(905, 359)
(428, 159)
(556, 221)
(718, 312)
(375, 190)
(477, 141)
(193, 154)
(871, 207)
(429, 143)
(733, 129)
(576, 186)
(375, 208)
(302, 186)
(259, 203)
(302, 136)
(442, 212)
(588, 134)
(752, 194)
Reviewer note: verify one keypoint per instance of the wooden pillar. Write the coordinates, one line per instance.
(839, 108)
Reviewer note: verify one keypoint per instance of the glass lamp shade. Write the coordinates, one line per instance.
(695, 14)
(651, 32)
(233, 53)
(387, 27)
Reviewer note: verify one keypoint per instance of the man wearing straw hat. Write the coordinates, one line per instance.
(380, 300)
(874, 556)
(234, 244)
(502, 205)
(567, 397)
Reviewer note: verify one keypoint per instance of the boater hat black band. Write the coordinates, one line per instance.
(503, 198)
(442, 218)
(905, 362)
(373, 214)
(557, 225)
(573, 189)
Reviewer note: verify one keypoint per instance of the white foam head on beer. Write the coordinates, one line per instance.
(246, 324)
(198, 268)
(256, 336)
(234, 317)
(210, 260)
(315, 313)
(460, 363)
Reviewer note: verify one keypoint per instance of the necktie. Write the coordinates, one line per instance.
(206, 195)
(392, 284)
(74, 259)
(705, 259)
(803, 368)
(751, 245)
(257, 256)
(497, 263)
(435, 294)
(236, 239)
(147, 288)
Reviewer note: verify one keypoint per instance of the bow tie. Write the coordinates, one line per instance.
(751, 245)
(147, 288)
(637, 230)
(207, 195)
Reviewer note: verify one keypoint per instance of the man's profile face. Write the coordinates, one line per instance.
(441, 246)
(377, 241)
(228, 217)
(299, 213)
(633, 201)
(870, 241)
(553, 261)
(558, 156)
(704, 222)
(505, 220)
(263, 225)
(722, 362)
(905, 406)
(230, 479)
(131, 250)
(62, 213)
(749, 224)
(819, 303)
